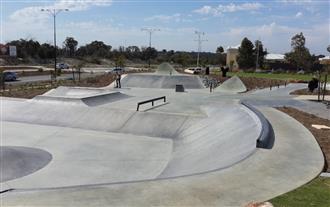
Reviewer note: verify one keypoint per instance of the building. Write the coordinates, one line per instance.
(274, 61)
(231, 59)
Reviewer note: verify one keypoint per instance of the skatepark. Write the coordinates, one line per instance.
(130, 147)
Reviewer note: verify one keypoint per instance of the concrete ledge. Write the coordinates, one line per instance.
(267, 137)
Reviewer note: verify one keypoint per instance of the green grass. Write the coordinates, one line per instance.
(315, 193)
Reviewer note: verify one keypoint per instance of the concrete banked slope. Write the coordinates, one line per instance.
(169, 144)
(232, 85)
(164, 77)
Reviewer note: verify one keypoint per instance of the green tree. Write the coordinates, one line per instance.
(220, 49)
(260, 52)
(221, 55)
(70, 45)
(120, 61)
(246, 57)
(299, 56)
(182, 58)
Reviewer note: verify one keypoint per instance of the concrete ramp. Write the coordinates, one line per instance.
(232, 85)
(80, 96)
(161, 81)
(166, 69)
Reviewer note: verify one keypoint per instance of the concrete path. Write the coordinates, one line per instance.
(293, 161)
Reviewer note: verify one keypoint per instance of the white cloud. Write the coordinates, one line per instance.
(165, 18)
(295, 1)
(277, 37)
(220, 9)
(33, 14)
(299, 14)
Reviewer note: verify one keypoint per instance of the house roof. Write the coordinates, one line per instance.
(274, 57)
(233, 47)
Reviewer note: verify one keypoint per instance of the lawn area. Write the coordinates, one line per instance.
(315, 193)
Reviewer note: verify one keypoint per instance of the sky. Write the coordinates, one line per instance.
(119, 23)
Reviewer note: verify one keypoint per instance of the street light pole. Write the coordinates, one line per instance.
(150, 31)
(199, 48)
(54, 13)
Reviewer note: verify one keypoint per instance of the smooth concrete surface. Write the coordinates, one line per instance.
(198, 144)
(294, 160)
(196, 149)
(232, 85)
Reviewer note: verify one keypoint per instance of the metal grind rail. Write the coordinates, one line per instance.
(150, 100)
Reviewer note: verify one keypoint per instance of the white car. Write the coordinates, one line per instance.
(116, 70)
(62, 66)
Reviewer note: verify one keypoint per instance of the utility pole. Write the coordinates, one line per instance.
(199, 44)
(54, 12)
(150, 31)
(257, 61)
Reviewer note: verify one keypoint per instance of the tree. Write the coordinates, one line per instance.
(299, 56)
(70, 45)
(221, 55)
(183, 58)
(246, 58)
(133, 52)
(96, 49)
(149, 53)
(120, 61)
(260, 52)
(220, 49)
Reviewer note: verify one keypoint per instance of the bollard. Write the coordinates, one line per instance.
(270, 87)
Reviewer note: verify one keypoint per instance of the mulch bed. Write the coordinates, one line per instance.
(253, 83)
(321, 135)
(305, 91)
(30, 90)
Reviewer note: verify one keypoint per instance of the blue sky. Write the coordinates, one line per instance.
(225, 23)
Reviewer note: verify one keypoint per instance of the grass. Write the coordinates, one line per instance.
(315, 193)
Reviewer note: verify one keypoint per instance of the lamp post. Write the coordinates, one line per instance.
(150, 31)
(54, 12)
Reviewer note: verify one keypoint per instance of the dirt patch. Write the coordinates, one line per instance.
(322, 135)
(253, 83)
(30, 90)
(305, 91)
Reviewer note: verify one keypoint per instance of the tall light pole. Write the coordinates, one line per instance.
(150, 31)
(54, 12)
(257, 61)
(199, 44)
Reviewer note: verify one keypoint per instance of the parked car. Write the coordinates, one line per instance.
(10, 76)
(116, 70)
(62, 66)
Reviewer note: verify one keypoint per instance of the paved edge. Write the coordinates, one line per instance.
(262, 176)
